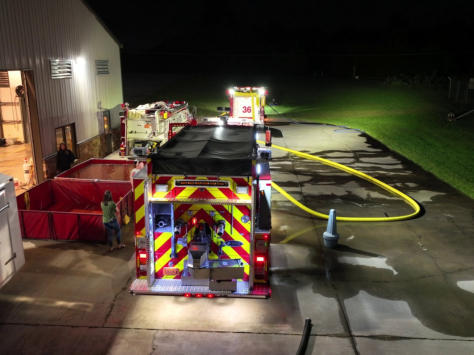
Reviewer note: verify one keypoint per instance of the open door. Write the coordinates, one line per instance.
(32, 109)
(17, 156)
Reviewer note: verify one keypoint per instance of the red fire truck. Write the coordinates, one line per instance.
(246, 107)
(148, 126)
(202, 215)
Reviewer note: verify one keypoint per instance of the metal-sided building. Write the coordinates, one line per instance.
(60, 81)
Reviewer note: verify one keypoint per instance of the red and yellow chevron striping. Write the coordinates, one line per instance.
(139, 206)
(227, 193)
(237, 228)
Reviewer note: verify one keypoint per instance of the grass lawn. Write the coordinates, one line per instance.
(410, 121)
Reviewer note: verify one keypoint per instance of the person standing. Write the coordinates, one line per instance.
(64, 158)
(109, 209)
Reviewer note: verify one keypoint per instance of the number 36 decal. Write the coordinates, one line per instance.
(246, 109)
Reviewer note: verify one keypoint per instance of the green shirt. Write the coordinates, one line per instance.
(108, 212)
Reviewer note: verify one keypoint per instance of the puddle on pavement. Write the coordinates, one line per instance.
(291, 257)
(377, 262)
(466, 286)
(425, 195)
(371, 314)
(387, 160)
(48, 302)
(347, 130)
(343, 160)
(378, 166)
(333, 154)
(350, 191)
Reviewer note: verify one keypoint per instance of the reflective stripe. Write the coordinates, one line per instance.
(140, 213)
(184, 194)
(139, 190)
(139, 207)
(161, 239)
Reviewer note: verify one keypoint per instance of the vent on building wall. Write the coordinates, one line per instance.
(61, 68)
(102, 66)
(4, 82)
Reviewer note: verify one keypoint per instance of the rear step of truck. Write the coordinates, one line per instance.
(171, 287)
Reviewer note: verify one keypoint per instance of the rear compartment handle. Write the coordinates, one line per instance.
(4, 207)
(233, 243)
(11, 259)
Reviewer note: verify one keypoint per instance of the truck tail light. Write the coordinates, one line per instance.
(142, 256)
(261, 268)
(268, 138)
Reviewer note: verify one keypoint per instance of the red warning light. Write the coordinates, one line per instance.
(187, 295)
(260, 259)
(194, 220)
(265, 236)
(211, 295)
(198, 295)
(142, 256)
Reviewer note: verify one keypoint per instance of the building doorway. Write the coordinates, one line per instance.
(16, 149)
(67, 134)
(108, 141)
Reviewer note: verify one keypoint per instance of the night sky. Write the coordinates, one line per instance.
(298, 37)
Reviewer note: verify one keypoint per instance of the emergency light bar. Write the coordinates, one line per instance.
(247, 89)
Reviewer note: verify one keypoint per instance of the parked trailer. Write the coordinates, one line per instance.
(202, 212)
(12, 257)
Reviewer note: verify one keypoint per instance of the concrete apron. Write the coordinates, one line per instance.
(410, 279)
(402, 280)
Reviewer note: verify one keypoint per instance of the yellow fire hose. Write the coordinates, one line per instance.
(407, 199)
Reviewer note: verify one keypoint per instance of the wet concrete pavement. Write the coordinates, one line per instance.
(399, 287)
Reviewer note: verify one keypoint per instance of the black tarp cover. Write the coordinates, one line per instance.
(207, 150)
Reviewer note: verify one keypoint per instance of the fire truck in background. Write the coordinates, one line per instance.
(246, 107)
(146, 127)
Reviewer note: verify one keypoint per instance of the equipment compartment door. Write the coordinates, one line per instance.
(236, 228)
